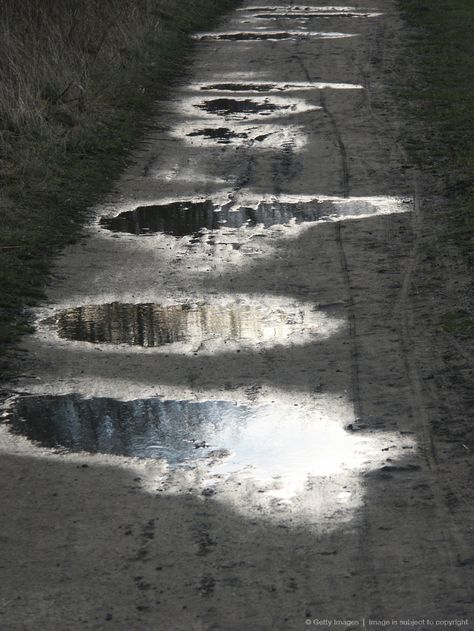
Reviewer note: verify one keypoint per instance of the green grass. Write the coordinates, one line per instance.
(438, 92)
(78, 82)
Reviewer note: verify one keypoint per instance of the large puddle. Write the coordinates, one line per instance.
(282, 444)
(245, 36)
(192, 218)
(152, 325)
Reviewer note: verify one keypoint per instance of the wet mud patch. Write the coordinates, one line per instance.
(193, 218)
(247, 36)
(151, 325)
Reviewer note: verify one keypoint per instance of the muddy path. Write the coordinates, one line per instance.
(221, 421)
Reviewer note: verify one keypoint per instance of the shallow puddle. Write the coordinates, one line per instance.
(244, 36)
(269, 86)
(279, 444)
(221, 135)
(191, 218)
(256, 135)
(152, 325)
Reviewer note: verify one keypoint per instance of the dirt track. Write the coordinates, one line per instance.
(321, 483)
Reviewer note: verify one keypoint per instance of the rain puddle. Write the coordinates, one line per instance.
(281, 12)
(244, 108)
(329, 10)
(222, 135)
(151, 325)
(191, 218)
(280, 444)
(245, 36)
(270, 86)
(264, 136)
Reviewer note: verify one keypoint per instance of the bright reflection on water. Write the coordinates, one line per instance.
(272, 444)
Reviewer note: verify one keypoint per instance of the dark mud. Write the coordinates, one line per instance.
(179, 431)
(229, 107)
(151, 325)
(186, 218)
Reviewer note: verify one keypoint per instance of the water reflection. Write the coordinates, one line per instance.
(271, 86)
(281, 445)
(191, 218)
(177, 218)
(152, 325)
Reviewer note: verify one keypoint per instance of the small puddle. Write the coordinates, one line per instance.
(281, 12)
(282, 444)
(246, 36)
(245, 108)
(257, 135)
(329, 11)
(221, 135)
(269, 86)
(192, 218)
(229, 107)
(152, 325)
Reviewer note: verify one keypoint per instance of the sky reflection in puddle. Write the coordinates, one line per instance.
(276, 445)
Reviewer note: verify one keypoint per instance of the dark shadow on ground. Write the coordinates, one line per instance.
(85, 548)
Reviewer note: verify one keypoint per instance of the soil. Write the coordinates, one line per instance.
(323, 468)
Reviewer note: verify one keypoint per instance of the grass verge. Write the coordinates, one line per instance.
(440, 94)
(78, 82)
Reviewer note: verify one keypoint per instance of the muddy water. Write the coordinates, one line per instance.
(152, 325)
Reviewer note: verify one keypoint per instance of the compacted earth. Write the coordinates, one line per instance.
(231, 415)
